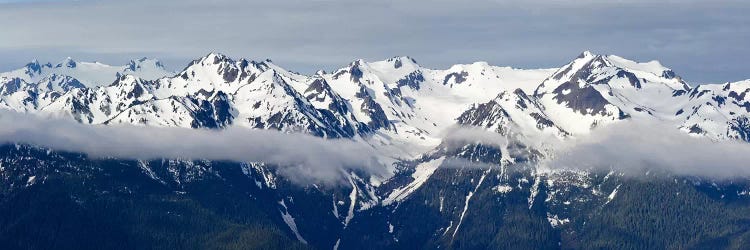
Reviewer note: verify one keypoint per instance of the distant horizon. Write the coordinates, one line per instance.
(704, 42)
(174, 67)
(356, 124)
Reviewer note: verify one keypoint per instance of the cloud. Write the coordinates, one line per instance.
(462, 135)
(701, 40)
(631, 147)
(635, 147)
(301, 158)
(461, 163)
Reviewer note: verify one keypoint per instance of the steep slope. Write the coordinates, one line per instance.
(511, 112)
(212, 92)
(411, 106)
(88, 73)
(596, 89)
(400, 106)
(720, 111)
(35, 86)
(475, 193)
(448, 192)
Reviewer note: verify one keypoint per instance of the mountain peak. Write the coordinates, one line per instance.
(134, 65)
(586, 54)
(34, 66)
(213, 58)
(586, 64)
(654, 67)
(357, 62)
(68, 62)
(650, 66)
(209, 59)
(399, 61)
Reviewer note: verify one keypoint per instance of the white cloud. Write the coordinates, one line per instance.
(639, 146)
(462, 135)
(301, 158)
(632, 147)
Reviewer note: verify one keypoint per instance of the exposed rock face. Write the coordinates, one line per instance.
(468, 195)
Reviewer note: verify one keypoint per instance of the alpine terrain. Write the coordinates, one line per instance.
(439, 191)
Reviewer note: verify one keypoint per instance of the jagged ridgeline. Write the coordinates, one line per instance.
(438, 193)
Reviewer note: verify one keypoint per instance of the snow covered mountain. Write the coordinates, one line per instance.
(404, 111)
(718, 111)
(595, 89)
(397, 104)
(36, 86)
(405, 103)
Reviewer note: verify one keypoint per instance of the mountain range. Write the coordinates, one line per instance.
(433, 196)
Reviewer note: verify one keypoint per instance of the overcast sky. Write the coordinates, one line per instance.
(704, 41)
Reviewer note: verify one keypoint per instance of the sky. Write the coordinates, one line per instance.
(703, 41)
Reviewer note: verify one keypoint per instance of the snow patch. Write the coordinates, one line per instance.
(420, 176)
(289, 220)
(502, 189)
(352, 203)
(31, 181)
(555, 221)
(612, 195)
(468, 198)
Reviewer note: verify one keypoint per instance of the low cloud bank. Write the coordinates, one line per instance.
(301, 158)
(632, 147)
(629, 147)
(461, 135)
(638, 146)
